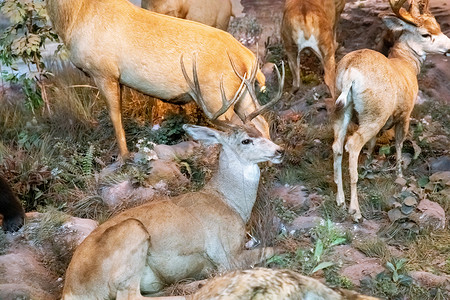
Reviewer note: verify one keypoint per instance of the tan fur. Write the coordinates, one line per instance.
(268, 284)
(381, 93)
(162, 242)
(116, 43)
(215, 13)
(314, 20)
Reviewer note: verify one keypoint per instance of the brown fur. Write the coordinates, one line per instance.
(268, 284)
(215, 13)
(306, 19)
(116, 43)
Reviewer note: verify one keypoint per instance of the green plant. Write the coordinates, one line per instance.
(23, 40)
(310, 260)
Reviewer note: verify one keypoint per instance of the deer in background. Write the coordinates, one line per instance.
(381, 91)
(311, 24)
(215, 13)
(163, 242)
(117, 43)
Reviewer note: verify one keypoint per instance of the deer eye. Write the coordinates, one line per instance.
(426, 35)
(247, 141)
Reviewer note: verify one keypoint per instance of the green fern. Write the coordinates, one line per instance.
(87, 161)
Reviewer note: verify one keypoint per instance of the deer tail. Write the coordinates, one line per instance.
(345, 97)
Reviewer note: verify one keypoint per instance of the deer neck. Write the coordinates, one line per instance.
(237, 182)
(404, 52)
(64, 14)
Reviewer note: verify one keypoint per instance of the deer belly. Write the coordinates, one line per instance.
(166, 269)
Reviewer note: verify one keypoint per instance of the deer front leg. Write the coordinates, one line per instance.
(110, 88)
(255, 256)
(400, 133)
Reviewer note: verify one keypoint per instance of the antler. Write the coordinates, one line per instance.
(402, 13)
(196, 93)
(250, 84)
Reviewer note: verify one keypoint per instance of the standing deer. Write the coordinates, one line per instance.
(117, 43)
(311, 24)
(215, 13)
(382, 91)
(162, 242)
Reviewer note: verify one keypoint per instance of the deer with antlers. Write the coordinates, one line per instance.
(161, 242)
(117, 43)
(215, 13)
(311, 24)
(381, 91)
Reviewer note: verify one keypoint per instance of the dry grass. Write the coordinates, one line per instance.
(430, 252)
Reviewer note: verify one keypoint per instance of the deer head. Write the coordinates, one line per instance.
(420, 30)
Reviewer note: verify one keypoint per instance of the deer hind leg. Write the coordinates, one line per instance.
(365, 132)
(110, 88)
(340, 131)
(293, 55)
(329, 66)
(401, 130)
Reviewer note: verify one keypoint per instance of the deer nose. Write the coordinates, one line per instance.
(280, 152)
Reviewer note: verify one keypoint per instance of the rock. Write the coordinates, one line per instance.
(430, 280)
(268, 70)
(293, 197)
(168, 171)
(366, 229)
(124, 192)
(440, 164)
(432, 214)
(23, 277)
(80, 228)
(303, 224)
(441, 178)
(182, 150)
(367, 267)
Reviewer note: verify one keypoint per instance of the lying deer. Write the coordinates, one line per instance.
(382, 91)
(215, 13)
(162, 242)
(268, 284)
(117, 43)
(311, 24)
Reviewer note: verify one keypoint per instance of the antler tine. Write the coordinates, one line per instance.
(272, 102)
(400, 12)
(197, 95)
(249, 82)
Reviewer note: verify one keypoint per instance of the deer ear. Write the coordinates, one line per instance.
(396, 24)
(203, 134)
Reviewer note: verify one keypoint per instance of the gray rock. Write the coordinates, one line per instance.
(432, 215)
(440, 164)
(303, 224)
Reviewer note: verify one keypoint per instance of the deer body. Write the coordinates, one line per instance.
(268, 284)
(311, 24)
(381, 92)
(215, 13)
(118, 43)
(162, 242)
